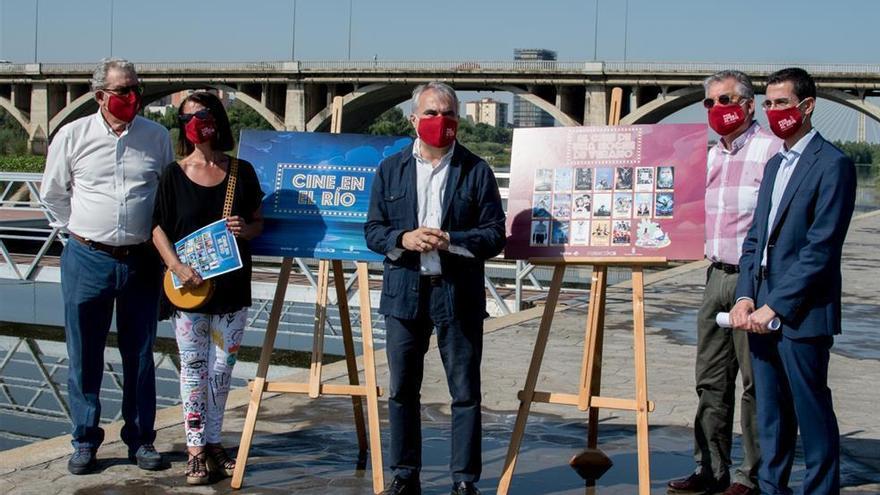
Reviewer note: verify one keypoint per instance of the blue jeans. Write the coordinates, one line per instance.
(460, 339)
(91, 282)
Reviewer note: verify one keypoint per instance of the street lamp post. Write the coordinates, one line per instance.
(625, 30)
(350, 7)
(111, 28)
(36, 27)
(293, 35)
(596, 34)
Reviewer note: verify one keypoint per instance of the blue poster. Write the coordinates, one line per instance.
(317, 189)
(210, 250)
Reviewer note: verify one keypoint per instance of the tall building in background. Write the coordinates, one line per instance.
(487, 111)
(524, 113)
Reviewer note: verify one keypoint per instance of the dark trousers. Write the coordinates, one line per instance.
(91, 282)
(460, 339)
(791, 383)
(722, 353)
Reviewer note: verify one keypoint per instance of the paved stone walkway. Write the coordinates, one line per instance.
(309, 447)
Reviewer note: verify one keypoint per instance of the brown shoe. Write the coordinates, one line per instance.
(218, 460)
(197, 469)
(698, 483)
(740, 489)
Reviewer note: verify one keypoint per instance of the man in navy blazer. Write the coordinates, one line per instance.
(436, 214)
(790, 270)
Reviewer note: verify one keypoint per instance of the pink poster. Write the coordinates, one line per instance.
(607, 191)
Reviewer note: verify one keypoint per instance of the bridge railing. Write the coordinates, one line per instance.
(445, 66)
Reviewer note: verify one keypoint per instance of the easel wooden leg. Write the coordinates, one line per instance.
(250, 421)
(525, 403)
(638, 288)
(591, 366)
(350, 357)
(370, 376)
(320, 321)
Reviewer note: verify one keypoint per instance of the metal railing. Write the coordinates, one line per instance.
(450, 66)
(36, 373)
(21, 195)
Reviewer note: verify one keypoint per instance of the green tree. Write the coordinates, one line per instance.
(391, 123)
(13, 138)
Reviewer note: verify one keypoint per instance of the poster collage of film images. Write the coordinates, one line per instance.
(599, 206)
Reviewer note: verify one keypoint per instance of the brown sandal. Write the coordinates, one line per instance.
(197, 469)
(219, 460)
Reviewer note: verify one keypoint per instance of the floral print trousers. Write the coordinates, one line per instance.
(208, 345)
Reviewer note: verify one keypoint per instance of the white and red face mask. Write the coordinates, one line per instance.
(724, 119)
(438, 130)
(201, 128)
(785, 122)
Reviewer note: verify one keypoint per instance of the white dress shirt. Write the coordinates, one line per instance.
(790, 160)
(102, 186)
(430, 191)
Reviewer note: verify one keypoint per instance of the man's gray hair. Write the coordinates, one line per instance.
(743, 83)
(99, 76)
(442, 88)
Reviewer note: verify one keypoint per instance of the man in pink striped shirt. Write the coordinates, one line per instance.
(735, 167)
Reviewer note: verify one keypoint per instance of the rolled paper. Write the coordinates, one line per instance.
(723, 321)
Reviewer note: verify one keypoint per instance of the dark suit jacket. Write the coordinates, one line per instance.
(472, 214)
(803, 284)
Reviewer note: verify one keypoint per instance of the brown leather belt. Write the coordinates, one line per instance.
(118, 252)
(432, 280)
(725, 267)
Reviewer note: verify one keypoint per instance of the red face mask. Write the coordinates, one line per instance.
(200, 130)
(437, 131)
(786, 122)
(725, 119)
(123, 107)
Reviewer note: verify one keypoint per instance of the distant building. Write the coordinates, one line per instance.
(524, 113)
(487, 111)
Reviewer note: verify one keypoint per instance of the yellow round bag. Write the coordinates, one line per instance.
(185, 298)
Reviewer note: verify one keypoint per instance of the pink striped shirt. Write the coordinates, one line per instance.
(732, 183)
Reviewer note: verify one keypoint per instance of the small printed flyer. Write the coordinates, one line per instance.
(210, 250)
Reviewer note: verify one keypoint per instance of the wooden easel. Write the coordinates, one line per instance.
(587, 397)
(314, 388)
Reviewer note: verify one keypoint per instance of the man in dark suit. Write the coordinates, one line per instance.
(790, 269)
(436, 214)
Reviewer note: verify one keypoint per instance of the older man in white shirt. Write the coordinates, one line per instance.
(99, 185)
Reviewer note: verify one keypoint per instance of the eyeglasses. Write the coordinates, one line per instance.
(780, 103)
(123, 91)
(722, 100)
(201, 114)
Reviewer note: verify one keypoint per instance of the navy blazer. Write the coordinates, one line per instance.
(803, 283)
(472, 214)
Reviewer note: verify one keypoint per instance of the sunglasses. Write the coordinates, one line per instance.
(722, 100)
(125, 90)
(201, 114)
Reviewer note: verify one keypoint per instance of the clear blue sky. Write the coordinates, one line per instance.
(794, 31)
(783, 31)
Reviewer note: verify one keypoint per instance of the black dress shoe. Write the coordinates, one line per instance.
(400, 486)
(699, 483)
(464, 488)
